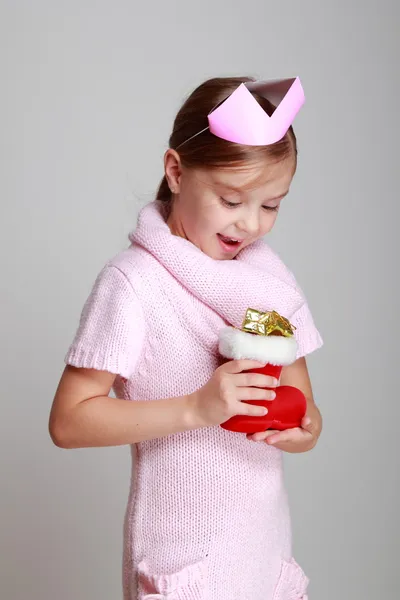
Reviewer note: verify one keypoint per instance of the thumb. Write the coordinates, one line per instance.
(307, 424)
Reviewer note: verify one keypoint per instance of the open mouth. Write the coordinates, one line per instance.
(228, 243)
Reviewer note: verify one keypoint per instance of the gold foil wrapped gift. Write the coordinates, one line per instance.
(268, 323)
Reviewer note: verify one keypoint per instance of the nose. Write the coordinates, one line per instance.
(250, 223)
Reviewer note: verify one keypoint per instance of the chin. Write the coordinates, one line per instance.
(224, 257)
(217, 255)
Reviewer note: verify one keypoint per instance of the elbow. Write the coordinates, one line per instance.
(60, 435)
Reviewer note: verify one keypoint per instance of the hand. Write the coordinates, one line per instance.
(221, 397)
(299, 439)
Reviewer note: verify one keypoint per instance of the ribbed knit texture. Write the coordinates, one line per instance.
(207, 515)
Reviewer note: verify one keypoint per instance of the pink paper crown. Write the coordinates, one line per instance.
(242, 120)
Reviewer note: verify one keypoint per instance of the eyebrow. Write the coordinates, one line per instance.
(280, 196)
(238, 190)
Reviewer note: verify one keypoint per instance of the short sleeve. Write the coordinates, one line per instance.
(307, 335)
(111, 330)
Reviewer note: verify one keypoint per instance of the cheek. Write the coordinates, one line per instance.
(200, 224)
(211, 221)
(269, 221)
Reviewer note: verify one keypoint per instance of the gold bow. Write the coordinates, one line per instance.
(268, 323)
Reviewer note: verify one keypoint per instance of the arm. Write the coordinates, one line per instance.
(83, 415)
(297, 375)
(110, 340)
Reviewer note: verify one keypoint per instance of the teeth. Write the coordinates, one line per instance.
(230, 239)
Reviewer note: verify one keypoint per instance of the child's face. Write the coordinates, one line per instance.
(213, 205)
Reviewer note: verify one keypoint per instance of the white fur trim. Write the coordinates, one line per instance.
(274, 349)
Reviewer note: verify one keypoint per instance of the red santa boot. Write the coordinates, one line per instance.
(266, 337)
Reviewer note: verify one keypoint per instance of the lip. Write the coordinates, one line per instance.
(227, 247)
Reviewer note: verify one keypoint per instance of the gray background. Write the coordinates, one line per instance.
(88, 94)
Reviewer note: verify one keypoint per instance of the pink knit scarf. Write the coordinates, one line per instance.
(255, 279)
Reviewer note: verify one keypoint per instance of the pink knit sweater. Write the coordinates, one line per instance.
(207, 516)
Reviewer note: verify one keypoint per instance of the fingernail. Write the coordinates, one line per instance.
(273, 395)
(275, 381)
(265, 411)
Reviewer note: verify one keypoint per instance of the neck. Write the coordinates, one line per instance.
(175, 224)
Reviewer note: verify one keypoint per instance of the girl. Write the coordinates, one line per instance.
(207, 516)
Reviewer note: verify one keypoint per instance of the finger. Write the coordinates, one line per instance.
(307, 424)
(288, 435)
(255, 380)
(252, 410)
(255, 394)
(294, 435)
(261, 436)
(237, 366)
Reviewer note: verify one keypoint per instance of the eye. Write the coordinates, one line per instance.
(273, 208)
(229, 204)
(234, 204)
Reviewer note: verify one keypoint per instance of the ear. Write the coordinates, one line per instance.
(173, 170)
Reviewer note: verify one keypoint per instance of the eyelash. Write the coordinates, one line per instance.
(233, 204)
